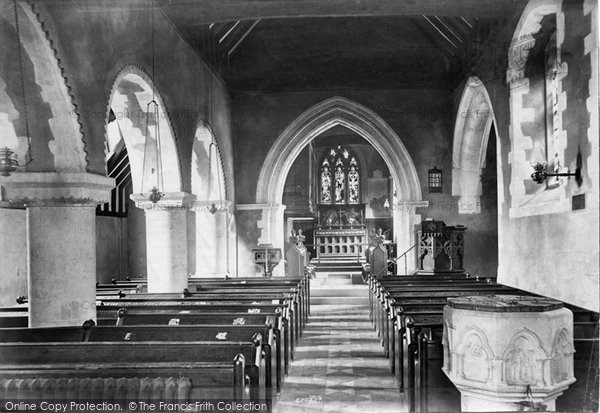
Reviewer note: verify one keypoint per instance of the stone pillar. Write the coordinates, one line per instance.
(13, 255)
(166, 241)
(61, 242)
(212, 239)
(405, 219)
(62, 239)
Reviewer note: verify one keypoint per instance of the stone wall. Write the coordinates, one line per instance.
(421, 118)
(545, 245)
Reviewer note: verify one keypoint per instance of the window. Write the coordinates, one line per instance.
(554, 74)
(339, 177)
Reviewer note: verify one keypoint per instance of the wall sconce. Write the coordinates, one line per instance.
(435, 180)
(386, 204)
(8, 161)
(540, 174)
(155, 195)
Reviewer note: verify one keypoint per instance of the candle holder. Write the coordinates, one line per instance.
(540, 175)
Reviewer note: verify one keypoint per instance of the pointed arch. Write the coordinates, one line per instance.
(207, 185)
(64, 150)
(131, 92)
(476, 355)
(367, 124)
(321, 117)
(474, 120)
(523, 358)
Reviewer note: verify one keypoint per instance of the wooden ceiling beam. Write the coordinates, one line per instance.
(440, 33)
(188, 12)
(433, 38)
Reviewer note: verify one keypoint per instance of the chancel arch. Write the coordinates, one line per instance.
(313, 122)
(475, 120)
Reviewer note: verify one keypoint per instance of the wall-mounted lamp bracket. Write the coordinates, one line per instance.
(540, 174)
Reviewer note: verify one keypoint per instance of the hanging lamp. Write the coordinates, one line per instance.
(8, 158)
(212, 208)
(156, 192)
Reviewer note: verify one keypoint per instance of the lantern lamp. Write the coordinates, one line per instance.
(435, 180)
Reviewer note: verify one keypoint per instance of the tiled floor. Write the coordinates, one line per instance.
(339, 366)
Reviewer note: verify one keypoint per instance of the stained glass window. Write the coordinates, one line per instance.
(325, 183)
(339, 177)
(353, 183)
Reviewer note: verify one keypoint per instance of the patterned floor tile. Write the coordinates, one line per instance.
(339, 367)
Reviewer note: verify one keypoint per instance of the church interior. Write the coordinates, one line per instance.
(299, 206)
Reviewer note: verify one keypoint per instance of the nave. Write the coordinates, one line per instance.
(339, 366)
(178, 177)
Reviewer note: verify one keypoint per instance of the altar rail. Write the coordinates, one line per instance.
(340, 243)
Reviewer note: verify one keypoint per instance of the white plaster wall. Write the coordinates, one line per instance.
(13, 255)
(545, 247)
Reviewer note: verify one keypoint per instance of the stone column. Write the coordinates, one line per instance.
(405, 219)
(13, 255)
(61, 242)
(212, 239)
(166, 241)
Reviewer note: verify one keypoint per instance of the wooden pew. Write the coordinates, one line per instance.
(177, 371)
(164, 312)
(385, 314)
(414, 307)
(207, 333)
(247, 306)
(272, 321)
(302, 295)
(302, 283)
(243, 295)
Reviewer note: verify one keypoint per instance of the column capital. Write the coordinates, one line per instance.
(55, 189)
(170, 200)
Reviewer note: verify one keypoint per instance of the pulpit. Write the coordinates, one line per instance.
(440, 248)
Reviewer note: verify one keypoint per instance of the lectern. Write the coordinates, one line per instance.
(267, 257)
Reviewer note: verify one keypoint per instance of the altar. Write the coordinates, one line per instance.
(340, 235)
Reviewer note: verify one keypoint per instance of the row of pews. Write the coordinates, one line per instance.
(220, 339)
(407, 313)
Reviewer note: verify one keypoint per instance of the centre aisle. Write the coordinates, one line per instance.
(339, 366)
